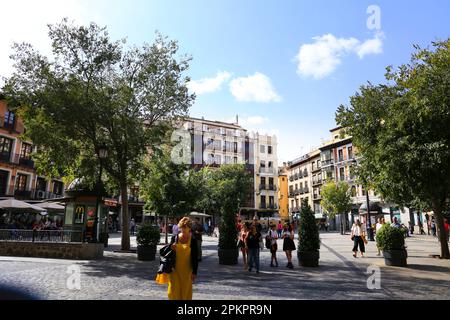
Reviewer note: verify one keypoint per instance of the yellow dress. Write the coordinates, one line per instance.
(180, 280)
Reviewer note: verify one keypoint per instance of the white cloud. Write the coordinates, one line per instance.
(208, 85)
(256, 120)
(256, 88)
(371, 46)
(321, 58)
(26, 21)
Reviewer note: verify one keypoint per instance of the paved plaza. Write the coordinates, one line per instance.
(119, 276)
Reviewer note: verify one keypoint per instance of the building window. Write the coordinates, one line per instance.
(5, 146)
(262, 149)
(58, 187)
(342, 174)
(354, 191)
(21, 182)
(235, 147)
(263, 181)
(25, 152)
(272, 202)
(263, 164)
(235, 160)
(9, 119)
(341, 155)
(350, 153)
(291, 189)
(269, 149)
(41, 184)
(263, 201)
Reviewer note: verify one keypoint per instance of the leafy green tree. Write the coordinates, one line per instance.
(93, 93)
(401, 131)
(230, 188)
(170, 189)
(336, 200)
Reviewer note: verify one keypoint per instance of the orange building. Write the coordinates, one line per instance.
(18, 177)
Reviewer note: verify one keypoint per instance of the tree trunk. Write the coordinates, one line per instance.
(125, 217)
(441, 230)
(342, 225)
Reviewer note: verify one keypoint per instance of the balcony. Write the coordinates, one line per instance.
(327, 163)
(291, 195)
(305, 174)
(305, 190)
(268, 187)
(296, 176)
(317, 182)
(265, 170)
(16, 159)
(296, 192)
(291, 178)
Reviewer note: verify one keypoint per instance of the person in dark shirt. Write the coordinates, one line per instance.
(197, 231)
(253, 240)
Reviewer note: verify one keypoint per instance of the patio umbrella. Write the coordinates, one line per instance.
(17, 205)
(49, 206)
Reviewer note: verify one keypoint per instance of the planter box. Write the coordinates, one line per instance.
(228, 257)
(146, 253)
(308, 258)
(395, 258)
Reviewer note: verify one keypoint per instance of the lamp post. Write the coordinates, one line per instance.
(370, 230)
(102, 154)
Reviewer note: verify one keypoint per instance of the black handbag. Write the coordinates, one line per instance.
(268, 242)
(167, 258)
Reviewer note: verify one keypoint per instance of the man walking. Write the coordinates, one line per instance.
(197, 231)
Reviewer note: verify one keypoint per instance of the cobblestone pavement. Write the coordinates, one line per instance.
(119, 276)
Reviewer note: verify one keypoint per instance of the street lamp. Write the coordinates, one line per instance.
(102, 155)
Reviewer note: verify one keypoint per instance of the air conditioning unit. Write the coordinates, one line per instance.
(41, 194)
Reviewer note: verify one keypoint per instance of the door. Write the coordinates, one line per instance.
(3, 182)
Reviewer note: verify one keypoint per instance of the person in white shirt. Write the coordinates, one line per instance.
(358, 236)
(378, 227)
(273, 235)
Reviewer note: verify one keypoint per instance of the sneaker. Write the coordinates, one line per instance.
(271, 265)
(250, 270)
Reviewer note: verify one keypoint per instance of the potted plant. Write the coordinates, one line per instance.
(309, 241)
(148, 237)
(391, 240)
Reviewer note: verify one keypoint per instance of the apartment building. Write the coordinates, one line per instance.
(266, 173)
(300, 183)
(283, 192)
(18, 177)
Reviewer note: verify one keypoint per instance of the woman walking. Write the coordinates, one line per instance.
(273, 236)
(186, 263)
(253, 240)
(243, 244)
(377, 229)
(288, 244)
(358, 238)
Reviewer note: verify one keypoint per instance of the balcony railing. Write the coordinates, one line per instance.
(305, 190)
(31, 194)
(317, 197)
(317, 182)
(291, 178)
(267, 170)
(269, 187)
(327, 162)
(296, 176)
(16, 159)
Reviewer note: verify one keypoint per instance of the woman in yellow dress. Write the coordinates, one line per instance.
(186, 264)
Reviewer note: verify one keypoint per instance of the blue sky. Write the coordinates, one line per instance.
(282, 66)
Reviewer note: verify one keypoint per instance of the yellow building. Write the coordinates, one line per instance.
(283, 194)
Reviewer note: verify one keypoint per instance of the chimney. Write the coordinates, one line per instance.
(237, 119)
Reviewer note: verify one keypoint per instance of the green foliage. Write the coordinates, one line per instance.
(170, 189)
(401, 131)
(148, 235)
(336, 198)
(308, 233)
(230, 186)
(391, 238)
(93, 93)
